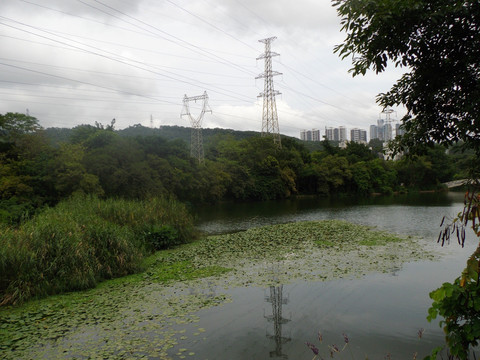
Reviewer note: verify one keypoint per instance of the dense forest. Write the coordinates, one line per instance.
(40, 167)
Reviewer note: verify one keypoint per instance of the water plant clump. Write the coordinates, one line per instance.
(83, 241)
(312, 250)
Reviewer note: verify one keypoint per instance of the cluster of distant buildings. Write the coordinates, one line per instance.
(335, 134)
(383, 131)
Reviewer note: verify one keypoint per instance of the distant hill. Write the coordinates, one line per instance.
(58, 135)
(183, 133)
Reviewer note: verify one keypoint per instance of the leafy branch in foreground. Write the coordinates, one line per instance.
(458, 302)
(470, 213)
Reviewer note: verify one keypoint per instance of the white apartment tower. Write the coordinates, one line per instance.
(329, 133)
(310, 135)
(358, 135)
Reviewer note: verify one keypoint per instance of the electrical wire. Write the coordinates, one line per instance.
(119, 60)
(85, 83)
(210, 24)
(178, 41)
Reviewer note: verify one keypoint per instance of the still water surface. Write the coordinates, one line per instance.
(380, 313)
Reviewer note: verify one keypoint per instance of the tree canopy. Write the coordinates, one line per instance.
(437, 42)
(13, 125)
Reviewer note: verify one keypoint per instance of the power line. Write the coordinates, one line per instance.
(312, 79)
(84, 82)
(110, 73)
(210, 24)
(222, 91)
(221, 60)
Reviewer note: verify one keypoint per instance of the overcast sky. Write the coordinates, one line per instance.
(72, 62)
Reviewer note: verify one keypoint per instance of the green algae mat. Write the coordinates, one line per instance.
(149, 315)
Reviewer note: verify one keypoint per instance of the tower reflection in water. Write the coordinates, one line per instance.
(277, 299)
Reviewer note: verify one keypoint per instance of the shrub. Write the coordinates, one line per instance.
(162, 237)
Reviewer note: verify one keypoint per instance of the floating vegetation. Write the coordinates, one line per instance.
(312, 251)
(146, 315)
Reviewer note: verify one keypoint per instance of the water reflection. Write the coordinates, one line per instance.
(208, 292)
(276, 320)
(277, 299)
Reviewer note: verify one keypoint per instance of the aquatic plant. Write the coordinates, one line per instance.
(332, 349)
(83, 241)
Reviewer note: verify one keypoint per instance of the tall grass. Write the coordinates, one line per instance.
(82, 241)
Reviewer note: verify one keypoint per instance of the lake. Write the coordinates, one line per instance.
(381, 314)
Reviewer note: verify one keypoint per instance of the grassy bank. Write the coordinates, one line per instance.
(83, 241)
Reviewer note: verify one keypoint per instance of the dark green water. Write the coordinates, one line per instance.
(406, 214)
(380, 313)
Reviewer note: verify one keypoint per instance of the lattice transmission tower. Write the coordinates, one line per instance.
(269, 117)
(196, 143)
(389, 130)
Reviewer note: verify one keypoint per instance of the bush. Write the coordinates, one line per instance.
(162, 237)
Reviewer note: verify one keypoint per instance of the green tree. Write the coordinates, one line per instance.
(12, 125)
(427, 38)
(442, 164)
(358, 152)
(336, 172)
(384, 178)
(413, 172)
(81, 133)
(120, 165)
(268, 183)
(70, 175)
(309, 179)
(377, 147)
(361, 178)
(26, 182)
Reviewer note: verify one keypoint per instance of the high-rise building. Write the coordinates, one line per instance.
(342, 133)
(358, 135)
(303, 135)
(336, 134)
(329, 133)
(387, 132)
(373, 132)
(310, 135)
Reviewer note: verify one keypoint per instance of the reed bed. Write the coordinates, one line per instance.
(83, 241)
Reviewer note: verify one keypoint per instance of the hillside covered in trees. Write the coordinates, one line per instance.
(41, 167)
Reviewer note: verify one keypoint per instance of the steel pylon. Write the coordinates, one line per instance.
(269, 117)
(196, 142)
